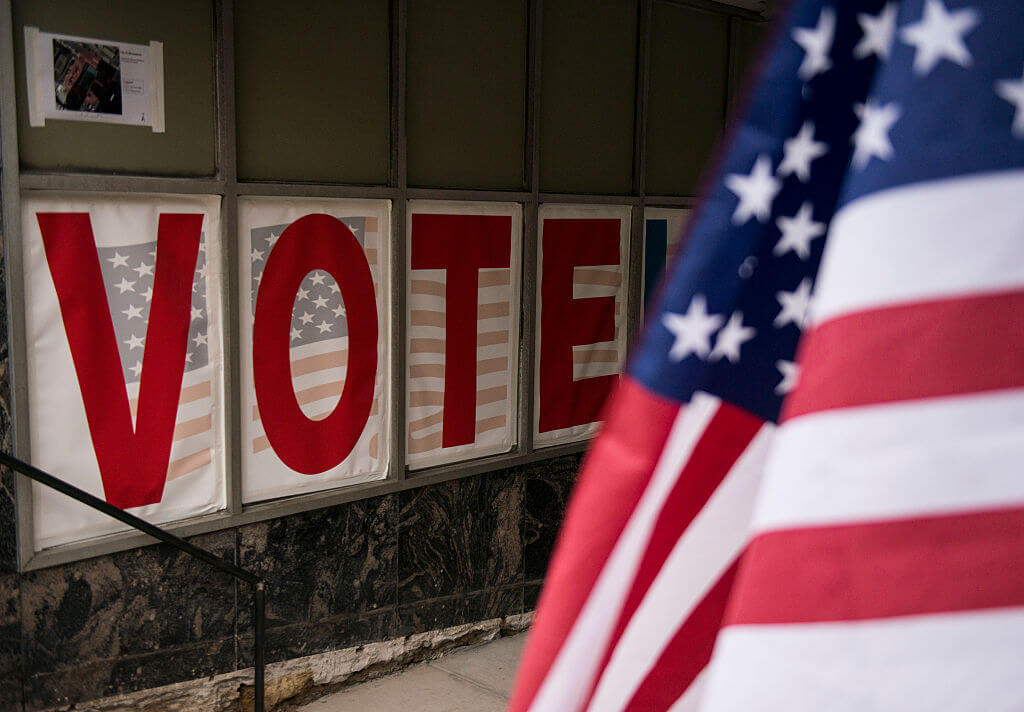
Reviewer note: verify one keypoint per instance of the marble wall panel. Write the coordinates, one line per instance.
(547, 490)
(437, 613)
(334, 561)
(460, 536)
(133, 602)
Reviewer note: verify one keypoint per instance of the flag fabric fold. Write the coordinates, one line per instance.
(852, 516)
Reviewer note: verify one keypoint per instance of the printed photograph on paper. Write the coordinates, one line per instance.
(73, 78)
(87, 76)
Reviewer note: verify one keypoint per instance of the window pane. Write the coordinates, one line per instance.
(587, 96)
(466, 110)
(312, 90)
(689, 61)
(186, 148)
(747, 36)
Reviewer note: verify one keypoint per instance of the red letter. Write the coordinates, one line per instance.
(132, 461)
(313, 242)
(566, 322)
(461, 245)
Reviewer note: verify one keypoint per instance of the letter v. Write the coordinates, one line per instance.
(132, 461)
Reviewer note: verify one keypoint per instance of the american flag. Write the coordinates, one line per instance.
(128, 272)
(319, 331)
(882, 535)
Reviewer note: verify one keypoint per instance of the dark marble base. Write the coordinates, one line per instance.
(431, 557)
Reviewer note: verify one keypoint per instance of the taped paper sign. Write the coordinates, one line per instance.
(315, 351)
(462, 341)
(581, 317)
(122, 324)
(86, 79)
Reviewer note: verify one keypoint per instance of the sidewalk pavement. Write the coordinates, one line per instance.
(478, 679)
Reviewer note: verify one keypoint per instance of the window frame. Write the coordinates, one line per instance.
(226, 184)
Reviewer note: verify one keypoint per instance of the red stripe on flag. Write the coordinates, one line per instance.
(923, 350)
(957, 562)
(613, 478)
(687, 653)
(725, 438)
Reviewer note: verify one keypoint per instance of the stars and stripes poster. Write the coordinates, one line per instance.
(314, 343)
(462, 330)
(582, 254)
(854, 524)
(122, 324)
(663, 228)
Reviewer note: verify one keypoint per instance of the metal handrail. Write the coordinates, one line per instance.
(259, 591)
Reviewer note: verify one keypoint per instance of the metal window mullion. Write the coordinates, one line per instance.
(398, 171)
(528, 296)
(227, 171)
(634, 269)
(97, 183)
(15, 282)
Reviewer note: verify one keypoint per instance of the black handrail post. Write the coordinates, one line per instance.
(259, 591)
(259, 604)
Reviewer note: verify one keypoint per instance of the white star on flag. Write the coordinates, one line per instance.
(339, 310)
(306, 317)
(200, 339)
(879, 31)
(135, 342)
(323, 326)
(272, 239)
(790, 373)
(871, 139)
(797, 233)
(1013, 91)
(800, 151)
(148, 294)
(320, 302)
(335, 289)
(816, 43)
(731, 337)
(296, 334)
(940, 35)
(317, 278)
(118, 260)
(144, 269)
(125, 286)
(136, 369)
(256, 254)
(302, 294)
(755, 190)
(197, 313)
(794, 305)
(692, 330)
(132, 311)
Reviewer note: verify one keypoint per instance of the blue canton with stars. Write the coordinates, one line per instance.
(854, 97)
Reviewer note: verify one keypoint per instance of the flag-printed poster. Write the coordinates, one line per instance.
(92, 281)
(318, 339)
(663, 228)
(462, 341)
(581, 317)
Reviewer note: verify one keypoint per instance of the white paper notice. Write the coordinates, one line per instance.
(85, 79)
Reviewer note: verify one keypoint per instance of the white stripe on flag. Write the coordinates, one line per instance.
(569, 679)
(948, 662)
(698, 559)
(916, 458)
(923, 241)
